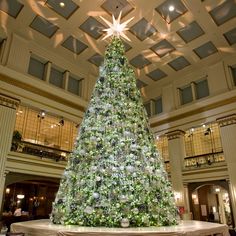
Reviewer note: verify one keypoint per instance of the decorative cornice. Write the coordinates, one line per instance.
(175, 134)
(227, 120)
(8, 101)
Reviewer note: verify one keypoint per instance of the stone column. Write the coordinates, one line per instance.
(228, 138)
(66, 76)
(176, 150)
(8, 107)
(47, 71)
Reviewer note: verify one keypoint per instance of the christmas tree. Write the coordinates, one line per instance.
(115, 176)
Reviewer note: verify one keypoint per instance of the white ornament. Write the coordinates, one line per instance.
(152, 160)
(135, 211)
(130, 168)
(122, 167)
(123, 198)
(116, 69)
(82, 152)
(88, 210)
(133, 147)
(159, 172)
(98, 178)
(96, 195)
(125, 222)
(94, 168)
(93, 139)
(138, 163)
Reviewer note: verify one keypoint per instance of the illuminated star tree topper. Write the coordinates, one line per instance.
(116, 28)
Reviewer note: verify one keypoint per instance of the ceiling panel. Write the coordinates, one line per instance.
(157, 74)
(179, 63)
(92, 27)
(96, 59)
(140, 83)
(115, 7)
(205, 50)
(162, 48)
(190, 32)
(74, 45)
(139, 61)
(224, 12)
(11, 7)
(64, 8)
(142, 29)
(231, 36)
(169, 14)
(44, 26)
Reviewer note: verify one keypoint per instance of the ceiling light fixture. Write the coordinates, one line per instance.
(62, 4)
(171, 8)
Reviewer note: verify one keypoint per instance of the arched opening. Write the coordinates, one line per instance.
(210, 201)
(28, 197)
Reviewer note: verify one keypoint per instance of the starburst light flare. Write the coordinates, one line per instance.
(116, 28)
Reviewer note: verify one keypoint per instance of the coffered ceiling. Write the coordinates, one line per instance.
(168, 37)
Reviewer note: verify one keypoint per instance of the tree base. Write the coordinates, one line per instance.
(185, 228)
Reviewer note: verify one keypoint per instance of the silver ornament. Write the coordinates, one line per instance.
(88, 210)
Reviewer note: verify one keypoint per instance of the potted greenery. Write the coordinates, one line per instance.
(16, 140)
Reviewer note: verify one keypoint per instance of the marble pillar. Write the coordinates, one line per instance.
(8, 107)
(176, 150)
(228, 137)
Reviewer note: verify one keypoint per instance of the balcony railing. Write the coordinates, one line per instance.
(204, 160)
(40, 151)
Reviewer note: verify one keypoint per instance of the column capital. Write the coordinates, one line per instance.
(6, 172)
(8, 101)
(227, 120)
(175, 134)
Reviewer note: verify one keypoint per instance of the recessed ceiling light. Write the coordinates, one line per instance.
(171, 8)
(62, 4)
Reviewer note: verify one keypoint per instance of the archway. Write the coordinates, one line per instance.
(210, 201)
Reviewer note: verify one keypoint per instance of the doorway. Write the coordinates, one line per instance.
(210, 201)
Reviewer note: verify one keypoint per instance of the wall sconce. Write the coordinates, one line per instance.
(208, 131)
(195, 199)
(61, 122)
(41, 114)
(177, 196)
(8, 190)
(217, 190)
